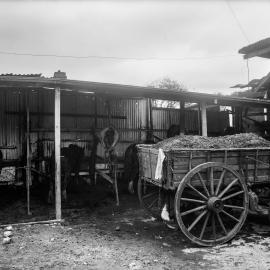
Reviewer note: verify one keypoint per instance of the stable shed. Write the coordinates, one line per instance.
(57, 111)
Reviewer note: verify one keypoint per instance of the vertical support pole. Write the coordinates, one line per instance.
(204, 118)
(57, 144)
(92, 160)
(28, 155)
(149, 135)
(182, 118)
(199, 120)
(238, 119)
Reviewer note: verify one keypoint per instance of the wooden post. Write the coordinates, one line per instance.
(204, 118)
(57, 144)
(149, 135)
(182, 118)
(28, 155)
(199, 120)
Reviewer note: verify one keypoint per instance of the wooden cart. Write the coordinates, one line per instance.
(210, 191)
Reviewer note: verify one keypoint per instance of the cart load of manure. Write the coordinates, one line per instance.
(242, 140)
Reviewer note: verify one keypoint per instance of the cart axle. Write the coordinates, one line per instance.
(215, 204)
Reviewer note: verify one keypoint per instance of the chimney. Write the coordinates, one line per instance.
(60, 75)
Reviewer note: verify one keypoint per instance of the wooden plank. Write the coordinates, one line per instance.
(57, 126)
(32, 223)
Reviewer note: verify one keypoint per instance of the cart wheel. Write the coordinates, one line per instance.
(211, 204)
(150, 197)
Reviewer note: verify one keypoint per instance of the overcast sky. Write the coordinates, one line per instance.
(203, 38)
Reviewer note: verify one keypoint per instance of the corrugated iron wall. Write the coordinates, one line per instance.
(78, 118)
(163, 118)
(128, 116)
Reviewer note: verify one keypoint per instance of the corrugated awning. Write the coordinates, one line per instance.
(126, 91)
(257, 85)
(260, 48)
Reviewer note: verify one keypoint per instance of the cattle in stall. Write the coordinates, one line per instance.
(173, 130)
(71, 159)
(131, 165)
(131, 162)
(229, 131)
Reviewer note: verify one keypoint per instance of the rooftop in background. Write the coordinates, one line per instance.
(22, 75)
(256, 85)
(124, 91)
(260, 48)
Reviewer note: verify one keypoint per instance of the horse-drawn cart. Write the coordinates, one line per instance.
(211, 191)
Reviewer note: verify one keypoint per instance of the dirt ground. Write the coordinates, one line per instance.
(102, 236)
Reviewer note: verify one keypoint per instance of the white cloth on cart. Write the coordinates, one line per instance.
(161, 157)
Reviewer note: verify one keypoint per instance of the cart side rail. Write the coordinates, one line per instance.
(252, 163)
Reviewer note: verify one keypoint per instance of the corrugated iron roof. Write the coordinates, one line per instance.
(22, 75)
(126, 91)
(261, 47)
(257, 85)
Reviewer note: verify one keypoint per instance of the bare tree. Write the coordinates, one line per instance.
(167, 83)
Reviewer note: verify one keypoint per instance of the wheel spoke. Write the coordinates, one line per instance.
(232, 195)
(214, 226)
(191, 200)
(197, 191)
(228, 187)
(203, 184)
(197, 220)
(212, 180)
(234, 207)
(153, 202)
(204, 225)
(229, 215)
(220, 181)
(221, 224)
(149, 195)
(193, 210)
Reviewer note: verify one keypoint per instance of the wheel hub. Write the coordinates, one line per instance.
(215, 204)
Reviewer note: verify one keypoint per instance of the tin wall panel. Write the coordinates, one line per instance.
(129, 118)
(11, 136)
(163, 118)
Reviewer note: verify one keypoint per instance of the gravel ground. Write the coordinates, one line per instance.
(108, 237)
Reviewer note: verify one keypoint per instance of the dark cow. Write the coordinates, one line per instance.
(71, 158)
(173, 130)
(131, 166)
(131, 162)
(230, 131)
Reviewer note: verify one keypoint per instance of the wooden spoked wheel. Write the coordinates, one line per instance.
(150, 197)
(211, 204)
